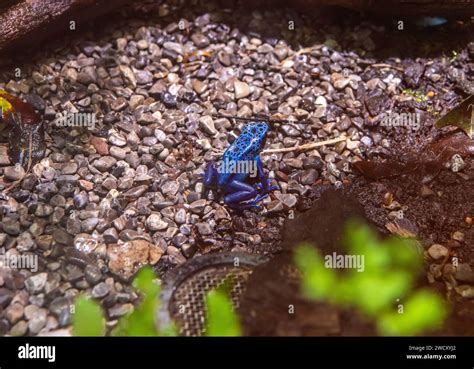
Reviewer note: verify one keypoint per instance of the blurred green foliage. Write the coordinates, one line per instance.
(222, 320)
(141, 322)
(390, 269)
(423, 310)
(383, 291)
(88, 317)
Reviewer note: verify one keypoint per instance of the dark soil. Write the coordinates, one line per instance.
(272, 304)
(432, 218)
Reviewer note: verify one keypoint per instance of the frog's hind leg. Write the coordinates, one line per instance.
(248, 205)
(264, 184)
(239, 192)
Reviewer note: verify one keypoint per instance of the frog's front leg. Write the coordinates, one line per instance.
(264, 184)
(238, 192)
(210, 175)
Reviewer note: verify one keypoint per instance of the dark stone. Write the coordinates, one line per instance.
(37, 102)
(62, 237)
(413, 74)
(81, 200)
(169, 100)
(376, 102)
(6, 297)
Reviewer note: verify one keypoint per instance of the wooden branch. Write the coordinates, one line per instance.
(25, 23)
(386, 66)
(461, 8)
(305, 147)
(28, 22)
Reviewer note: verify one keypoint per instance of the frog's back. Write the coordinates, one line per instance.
(249, 143)
(245, 148)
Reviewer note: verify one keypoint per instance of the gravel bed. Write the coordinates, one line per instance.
(127, 192)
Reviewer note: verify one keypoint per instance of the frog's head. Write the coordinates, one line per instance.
(256, 131)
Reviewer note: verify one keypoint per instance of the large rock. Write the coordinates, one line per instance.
(125, 259)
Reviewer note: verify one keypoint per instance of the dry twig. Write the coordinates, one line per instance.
(303, 147)
(307, 146)
(389, 66)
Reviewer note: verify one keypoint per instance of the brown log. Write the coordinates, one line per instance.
(444, 8)
(25, 23)
(28, 22)
(447, 8)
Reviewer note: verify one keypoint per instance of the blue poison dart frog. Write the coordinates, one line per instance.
(241, 162)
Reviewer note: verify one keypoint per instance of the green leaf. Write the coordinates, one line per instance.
(462, 116)
(221, 317)
(390, 268)
(13, 104)
(375, 293)
(141, 322)
(5, 107)
(404, 253)
(424, 310)
(360, 237)
(145, 282)
(318, 281)
(87, 319)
